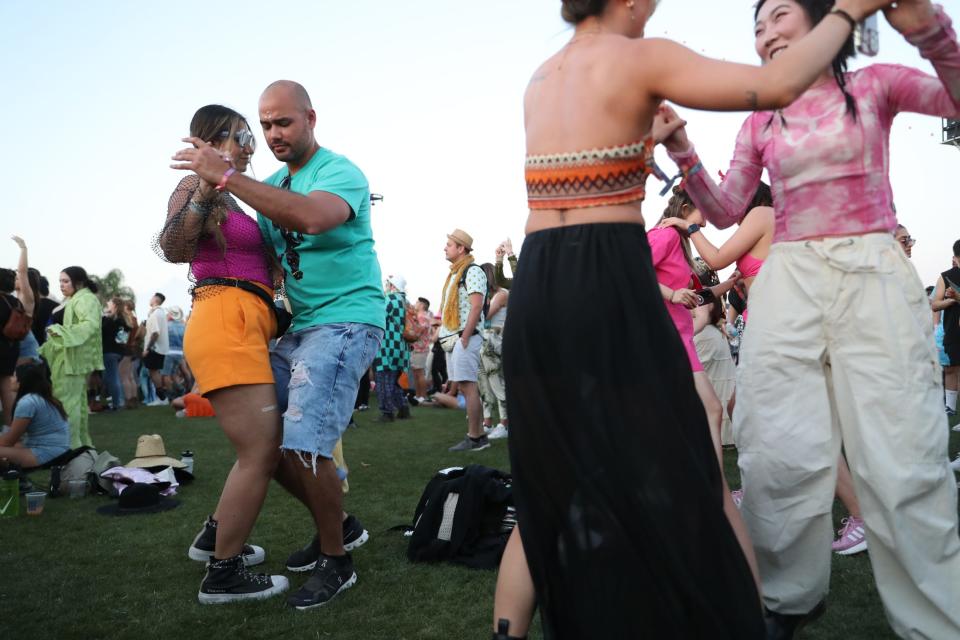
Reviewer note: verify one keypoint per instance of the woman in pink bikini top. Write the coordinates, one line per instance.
(748, 247)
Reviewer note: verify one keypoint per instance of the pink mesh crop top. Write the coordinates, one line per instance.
(830, 173)
(245, 257)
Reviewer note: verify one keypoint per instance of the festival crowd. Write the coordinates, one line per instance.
(821, 359)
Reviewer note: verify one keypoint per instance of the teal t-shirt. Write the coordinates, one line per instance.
(333, 276)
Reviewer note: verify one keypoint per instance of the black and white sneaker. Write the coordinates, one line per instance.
(305, 559)
(230, 581)
(204, 544)
(332, 575)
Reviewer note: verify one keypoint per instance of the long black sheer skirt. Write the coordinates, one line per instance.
(615, 478)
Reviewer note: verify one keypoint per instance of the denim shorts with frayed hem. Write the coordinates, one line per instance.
(317, 372)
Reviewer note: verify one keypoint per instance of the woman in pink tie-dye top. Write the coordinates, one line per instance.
(840, 342)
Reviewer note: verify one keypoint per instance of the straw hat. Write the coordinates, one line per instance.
(462, 237)
(175, 312)
(150, 453)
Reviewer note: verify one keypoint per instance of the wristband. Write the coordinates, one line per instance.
(846, 16)
(223, 181)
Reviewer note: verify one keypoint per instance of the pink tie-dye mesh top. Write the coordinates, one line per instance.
(830, 173)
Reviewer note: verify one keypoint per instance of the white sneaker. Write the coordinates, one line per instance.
(498, 432)
(956, 427)
(486, 428)
(955, 465)
(158, 403)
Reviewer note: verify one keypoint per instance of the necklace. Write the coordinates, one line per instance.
(566, 47)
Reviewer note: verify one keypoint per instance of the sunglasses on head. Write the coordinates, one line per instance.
(243, 137)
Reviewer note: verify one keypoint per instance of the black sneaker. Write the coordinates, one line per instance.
(471, 444)
(385, 417)
(331, 576)
(404, 412)
(354, 535)
(230, 581)
(305, 559)
(206, 541)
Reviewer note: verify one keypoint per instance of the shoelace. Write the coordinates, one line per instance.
(849, 525)
(258, 578)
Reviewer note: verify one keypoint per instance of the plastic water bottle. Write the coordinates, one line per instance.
(10, 494)
(187, 459)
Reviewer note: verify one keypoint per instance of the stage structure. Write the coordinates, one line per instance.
(951, 133)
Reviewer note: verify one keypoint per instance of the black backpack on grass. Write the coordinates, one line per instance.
(464, 516)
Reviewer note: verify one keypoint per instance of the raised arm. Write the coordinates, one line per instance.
(692, 80)
(314, 213)
(189, 213)
(928, 28)
(757, 223)
(23, 278)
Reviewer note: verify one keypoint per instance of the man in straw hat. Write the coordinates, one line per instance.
(462, 317)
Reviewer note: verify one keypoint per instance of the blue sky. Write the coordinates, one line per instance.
(425, 97)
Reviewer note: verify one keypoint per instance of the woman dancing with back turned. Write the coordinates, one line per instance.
(618, 488)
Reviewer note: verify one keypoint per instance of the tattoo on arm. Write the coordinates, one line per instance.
(753, 100)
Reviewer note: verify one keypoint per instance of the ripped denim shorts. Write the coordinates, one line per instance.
(317, 372)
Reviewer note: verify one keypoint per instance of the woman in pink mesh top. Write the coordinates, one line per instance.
(840, 325)
(226, 344)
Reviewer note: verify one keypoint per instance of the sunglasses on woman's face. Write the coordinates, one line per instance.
(243, 138)
(907, 241)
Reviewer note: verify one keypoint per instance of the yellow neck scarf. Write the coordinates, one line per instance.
(450, 305)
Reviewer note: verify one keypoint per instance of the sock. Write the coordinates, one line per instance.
(952, 399)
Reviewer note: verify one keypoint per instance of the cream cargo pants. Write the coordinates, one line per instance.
(840, 348)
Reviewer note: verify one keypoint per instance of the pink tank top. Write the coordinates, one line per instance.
(245, 257)
(748, 266)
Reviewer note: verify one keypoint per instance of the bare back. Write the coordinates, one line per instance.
(587, 96)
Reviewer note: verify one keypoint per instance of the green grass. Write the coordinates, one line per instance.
(74, 573)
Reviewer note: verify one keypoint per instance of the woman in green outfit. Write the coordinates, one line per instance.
(74, 348)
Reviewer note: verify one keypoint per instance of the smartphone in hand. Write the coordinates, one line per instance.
(705, 297)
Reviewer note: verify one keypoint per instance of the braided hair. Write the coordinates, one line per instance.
(817, 10)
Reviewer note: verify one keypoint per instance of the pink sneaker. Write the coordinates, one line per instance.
(737, 496)
(853, 539)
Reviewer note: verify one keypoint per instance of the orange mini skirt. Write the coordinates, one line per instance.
(227, 339)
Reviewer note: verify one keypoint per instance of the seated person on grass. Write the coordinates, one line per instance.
(40, 431)
(450, 398)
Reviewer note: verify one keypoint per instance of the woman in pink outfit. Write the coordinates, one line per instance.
(748, 248)
(672, 261)
(840, 345)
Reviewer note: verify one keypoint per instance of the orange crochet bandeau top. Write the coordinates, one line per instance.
(593, 178)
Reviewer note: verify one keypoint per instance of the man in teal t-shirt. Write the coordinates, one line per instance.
(332, 276)
(315, 215)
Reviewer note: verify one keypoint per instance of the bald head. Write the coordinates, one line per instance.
(287, 119)
(289, 90)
